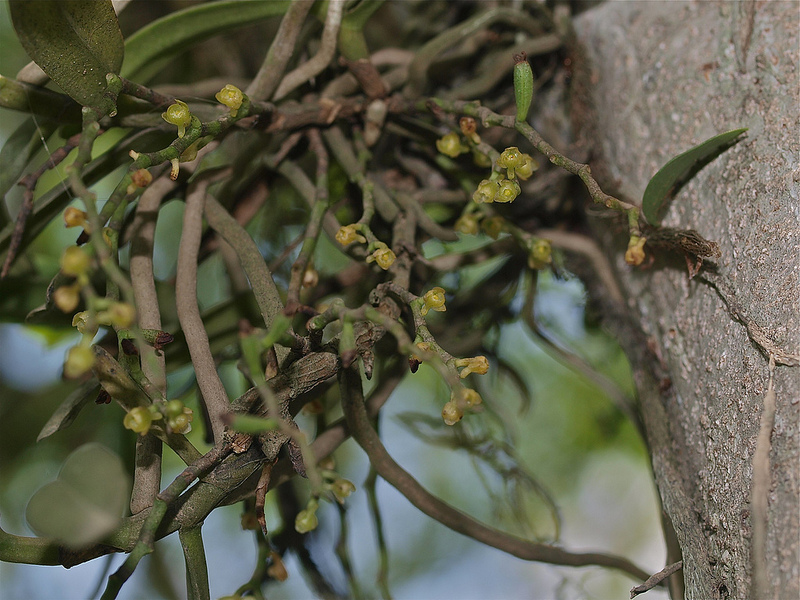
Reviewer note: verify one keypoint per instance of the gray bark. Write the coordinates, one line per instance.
(666, 76)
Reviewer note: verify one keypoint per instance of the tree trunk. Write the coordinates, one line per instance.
(666, 76)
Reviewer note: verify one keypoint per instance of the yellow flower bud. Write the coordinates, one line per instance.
(634, 256)
(450, 145)
(75, 261)
(80, 359)
(310, 278)
(541, 254)
(348, 234)
(119, 315)
(230, 96)
(138, 420)
(434, 299)
(451, 413)
(341, 489)
(74, 217)
(479, 365)
(67, 297)
(467, 224)
(181, 423)
(306, 521)
(382, 256)
(493, 226)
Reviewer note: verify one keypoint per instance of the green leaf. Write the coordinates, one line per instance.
(68, 411)
(674, 174)
(146, 49)
(76, 43)
(87, 500)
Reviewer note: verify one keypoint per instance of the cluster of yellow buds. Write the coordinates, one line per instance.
(179, 417)
(460, 399)
(380, 253)
(433, 299)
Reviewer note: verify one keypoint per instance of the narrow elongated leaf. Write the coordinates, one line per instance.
(169, 35)
(86, 502)
(661, 187)
(68, 411)
(76, 43)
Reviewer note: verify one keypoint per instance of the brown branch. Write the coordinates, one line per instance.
(656, 579)
(362, 431)
(213, 392)
(147, 471)
(29, 183)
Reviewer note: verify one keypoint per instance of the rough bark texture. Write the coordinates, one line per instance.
(666, 76)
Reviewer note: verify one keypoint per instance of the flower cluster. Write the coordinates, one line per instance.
(518, 165)
(178, 417)
(380, 253)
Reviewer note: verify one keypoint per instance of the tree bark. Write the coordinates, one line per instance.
(666, 76)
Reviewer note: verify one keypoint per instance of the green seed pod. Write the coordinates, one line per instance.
(523, 85)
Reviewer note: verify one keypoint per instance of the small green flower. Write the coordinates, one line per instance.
(451, 413)
(138, 420)
(510, 158)
(541, 254)
(526, 169)
(382, 256)
(508, 191)
(467, 224)
(178, 114)
(493, 226)
(230, 96)
(348, 234)
(486, 192)
(433, 299)
(341, 489)
(306, 520)
(74, 261)
(450, 145)
(80, 360)
(478, 364)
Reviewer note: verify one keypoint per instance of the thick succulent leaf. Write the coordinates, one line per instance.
(145, 49)
(87, 500)
(673, 174)
(76, 43)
